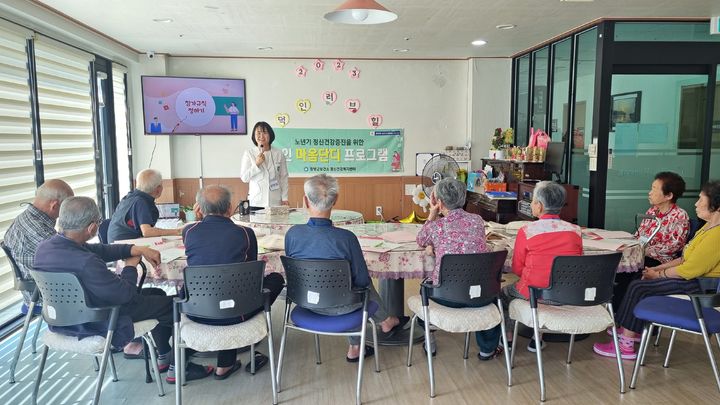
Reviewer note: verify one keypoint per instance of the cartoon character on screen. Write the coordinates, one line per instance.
(395, 164)
(155, 126)
(234, 112)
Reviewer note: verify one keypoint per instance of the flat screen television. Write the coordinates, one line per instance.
(554, 157)
(193, 106)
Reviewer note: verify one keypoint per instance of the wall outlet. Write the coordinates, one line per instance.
(378, 210)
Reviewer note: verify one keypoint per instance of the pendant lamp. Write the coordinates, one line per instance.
(361, 12)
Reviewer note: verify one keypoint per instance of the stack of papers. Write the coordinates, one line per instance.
(605, 234)
(608, 244)
(168, 255)
(377, 245)
(399, 237)
(272, 242)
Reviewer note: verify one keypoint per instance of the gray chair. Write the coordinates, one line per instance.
(222, 292)
(582, 286)
(65, 304)
(28, 285)
(471, 281)
(319, 284)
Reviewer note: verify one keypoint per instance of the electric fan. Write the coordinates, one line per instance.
(437, 168)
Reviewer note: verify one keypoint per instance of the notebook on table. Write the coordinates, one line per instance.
(169, 216)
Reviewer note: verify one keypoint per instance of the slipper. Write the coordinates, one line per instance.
(395, 329)
(498, 351)
(129, 356)
(369, 351)
(227, 374)
(260, 361)
(193, 372)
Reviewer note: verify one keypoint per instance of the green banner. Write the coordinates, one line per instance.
(341, 151)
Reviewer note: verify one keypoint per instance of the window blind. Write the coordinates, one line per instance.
(66, 115)
(17, 171)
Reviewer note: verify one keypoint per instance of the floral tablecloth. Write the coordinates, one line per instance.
(281, 223)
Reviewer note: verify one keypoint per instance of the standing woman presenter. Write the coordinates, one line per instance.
(265, 170)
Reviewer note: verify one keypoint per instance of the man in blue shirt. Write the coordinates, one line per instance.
(136, 215)
(319, 239)
(217, 240)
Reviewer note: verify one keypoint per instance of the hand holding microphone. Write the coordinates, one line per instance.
(261, 156)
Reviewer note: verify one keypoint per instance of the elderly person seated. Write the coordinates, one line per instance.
(539, 242)
(217, 240)
(136, 215)
(666, 189)
(319, 239)
(69, 252)
(700, 258)
(456, 232)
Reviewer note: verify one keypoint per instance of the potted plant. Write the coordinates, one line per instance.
(497, 143)
(189, 213)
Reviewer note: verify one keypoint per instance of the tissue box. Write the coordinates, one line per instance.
(280, 210)
(489, 186)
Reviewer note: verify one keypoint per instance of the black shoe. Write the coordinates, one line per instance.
(532, 348)
(369, 351)
(260, 361)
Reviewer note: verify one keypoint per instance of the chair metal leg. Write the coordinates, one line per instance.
(37, 332)
(103, 367)
(428, 350)
(39, 375)
(657, 338)
(318, 358)
(375, 345)
(644, 340)
(361, 359)
(410, 340)
(708, 347)
(96, 364)
(505, 342)
(642, 355)
(21, 341)
(146, 359)
(252, 359)
(467, 346)
(177, 350)
(153, 358)
(271, 354)
(538, 353)
(283, 339)
(514, 342)
(183, 362)
(666, 364)
(621, 370)
(570, 348)
(717, 337)
(113, 370)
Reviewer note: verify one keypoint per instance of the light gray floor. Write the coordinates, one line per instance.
(589, 379)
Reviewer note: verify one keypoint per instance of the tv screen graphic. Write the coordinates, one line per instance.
(193, 106)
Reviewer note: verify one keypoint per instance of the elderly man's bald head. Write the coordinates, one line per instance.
(214, 200)
(149, 181)
(50, 195)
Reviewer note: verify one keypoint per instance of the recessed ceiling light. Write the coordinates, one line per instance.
(577, 1)
(505, 26)
(401, 50)
(264, 48)
(163, 20)
(212, 7)
(479, 42)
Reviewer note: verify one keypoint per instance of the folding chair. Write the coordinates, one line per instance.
(583, 286)
(471, 281)
(319, 284)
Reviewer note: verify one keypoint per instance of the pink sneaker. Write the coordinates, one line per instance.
(608, 350)
(620, 332)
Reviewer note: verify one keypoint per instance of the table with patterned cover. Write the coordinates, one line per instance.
(281, 223)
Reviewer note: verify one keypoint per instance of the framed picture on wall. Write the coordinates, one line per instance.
(625, 108)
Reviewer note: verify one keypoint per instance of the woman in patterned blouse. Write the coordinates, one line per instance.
(666, 188)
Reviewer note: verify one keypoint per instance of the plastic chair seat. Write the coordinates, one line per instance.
(209, 338)
(676, 312)
(306, 319)
(562, 318)
(457, 320)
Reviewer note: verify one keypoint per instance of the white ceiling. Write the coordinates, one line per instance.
(296, 28)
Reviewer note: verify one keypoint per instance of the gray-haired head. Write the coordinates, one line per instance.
(551, 195)
(214, 200)
(148, 180)
(451, 192)
(78, 213)
(54, 190)
(321, 191)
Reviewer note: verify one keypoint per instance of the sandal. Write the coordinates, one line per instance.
(369, 351)
(140, 355)
(260, 361)
(498, 351)
(192, 372)
(227, 374)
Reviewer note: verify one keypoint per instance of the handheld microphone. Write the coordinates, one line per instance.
(262, 147)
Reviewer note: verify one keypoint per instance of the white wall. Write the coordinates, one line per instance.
(437, 103)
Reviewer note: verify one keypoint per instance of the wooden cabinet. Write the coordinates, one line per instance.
(496, 210)
(568, 213)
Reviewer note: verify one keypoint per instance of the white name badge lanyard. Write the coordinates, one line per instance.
(274, 183)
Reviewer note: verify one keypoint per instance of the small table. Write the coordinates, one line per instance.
(281, 223)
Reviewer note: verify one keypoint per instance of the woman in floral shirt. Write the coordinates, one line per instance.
(666, 188)
(456, 232)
